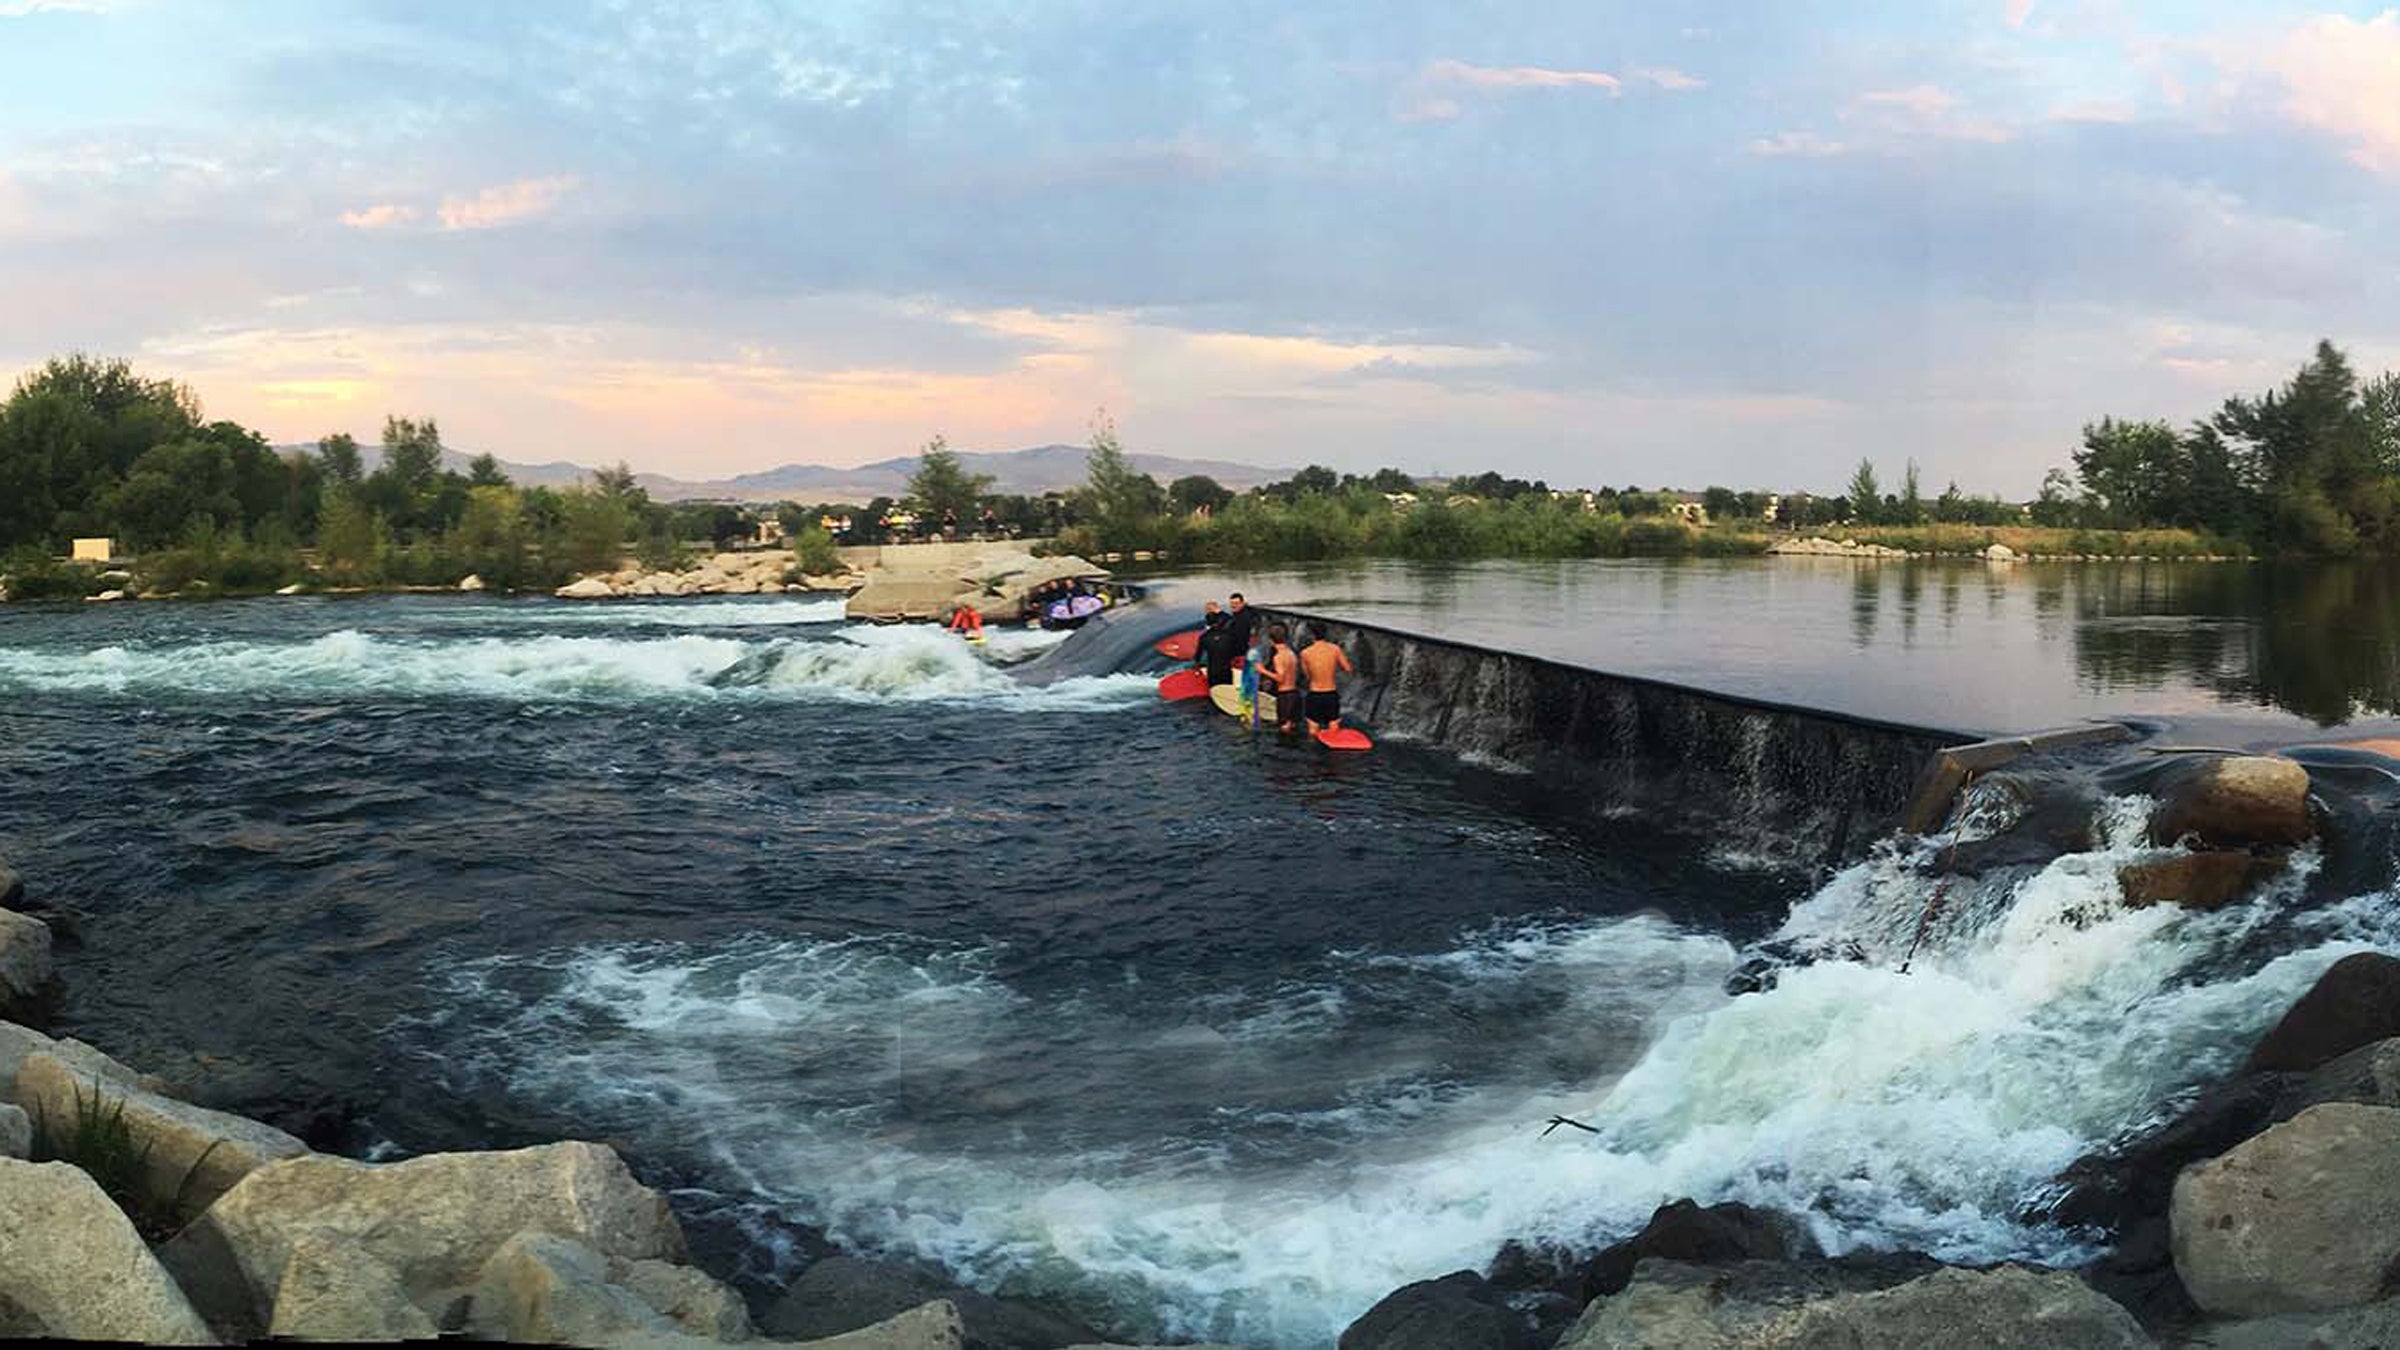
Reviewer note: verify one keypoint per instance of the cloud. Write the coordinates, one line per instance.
(1922, 110)
(2341, 77)
(1796, 144)
(1667, 77)
(380, 216)
(2016, 12)
(507, 204)
(1517, 77)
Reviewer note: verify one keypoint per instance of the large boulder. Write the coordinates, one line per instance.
(1674, 1306)
(589, 588)
(26, 975)
(844, 1293)
(189, 1154)
(1686, 1232)
(544, 1290)
(72, 1267)
(1459, 1311)
(2303, 1217)
(18, 1043)
(2010, 1308)
(2232, 801)
(2369, 1075)
(2374, 1327)
(332, 1291)
(434, 1220)
(2355, 1002)
(16, 1132)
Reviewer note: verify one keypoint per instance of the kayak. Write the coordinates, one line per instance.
(1184, 685)
(1344, 738)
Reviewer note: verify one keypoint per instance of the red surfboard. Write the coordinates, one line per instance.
(1180, 647)
(1184, 685)
(1344, 738)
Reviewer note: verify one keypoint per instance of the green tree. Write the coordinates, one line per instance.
(339, 454)
(2055, 507)
(592, 529)
(942, 484)
(1122, 501)
(1721, 503)
(1866, 495)
(1912, 497)
(1197, 492)
(485, 471)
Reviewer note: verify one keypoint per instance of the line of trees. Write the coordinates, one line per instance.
(2311, 467)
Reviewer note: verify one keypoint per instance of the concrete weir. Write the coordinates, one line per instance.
(1797, 784)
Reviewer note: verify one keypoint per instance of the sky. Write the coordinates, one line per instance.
(1646, 243)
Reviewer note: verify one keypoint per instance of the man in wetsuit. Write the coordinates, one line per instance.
(1321, 665)
(1243, 620)
(1216, 650)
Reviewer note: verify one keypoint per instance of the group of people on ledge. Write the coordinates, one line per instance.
(1302, 680)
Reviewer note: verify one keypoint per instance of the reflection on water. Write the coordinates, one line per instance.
(1960, 645)
(2321, 641)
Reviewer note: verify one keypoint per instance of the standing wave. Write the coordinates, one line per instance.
(862, 665)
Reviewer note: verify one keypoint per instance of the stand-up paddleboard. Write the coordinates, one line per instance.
(1180, 647)
(1184, 685)
(1344, 738)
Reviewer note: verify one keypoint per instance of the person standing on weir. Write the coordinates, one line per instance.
(1322, 663)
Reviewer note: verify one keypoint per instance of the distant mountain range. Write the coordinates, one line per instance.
(1043, 468)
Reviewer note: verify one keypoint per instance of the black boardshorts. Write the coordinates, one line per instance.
(1324, 705)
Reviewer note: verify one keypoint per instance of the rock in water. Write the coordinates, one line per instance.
(2356, 1002)
(471, 582)
(332, 1291)
(16, 1132)
(2009, 1308)
(2374, 1327)
(72, 1267)
(845, 1293)
(25, 972)
(2233, 800)
(12, 886)
(435, 1220)
(2369, 1075)
(190, 1154)
(544, 1290)
(1683, 1231)
(590, 588)
(1459, 1311)
(2210, 879)
(2304, 1217)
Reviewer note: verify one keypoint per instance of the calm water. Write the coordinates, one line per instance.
(1084, 994)
(2273, 651)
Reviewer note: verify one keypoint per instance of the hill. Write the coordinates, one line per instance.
(1032, 471)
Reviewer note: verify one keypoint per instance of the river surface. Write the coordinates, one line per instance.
(847, 929)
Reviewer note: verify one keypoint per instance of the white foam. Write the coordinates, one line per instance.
(1906, 1111)
(860, 665)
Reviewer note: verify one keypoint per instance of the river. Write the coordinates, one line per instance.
(847, 930)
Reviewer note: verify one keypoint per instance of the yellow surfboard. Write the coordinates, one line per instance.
(1229, 701)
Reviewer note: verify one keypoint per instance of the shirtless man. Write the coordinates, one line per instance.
(1321, 663)
(1283, 671)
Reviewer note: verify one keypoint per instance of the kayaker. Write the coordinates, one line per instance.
(1321, 665)
(966, 621)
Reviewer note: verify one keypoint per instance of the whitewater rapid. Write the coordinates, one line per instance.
(856, 663)
(1917, 1111)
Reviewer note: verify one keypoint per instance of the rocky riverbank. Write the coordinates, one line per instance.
(1821, 547)
(130, 1214)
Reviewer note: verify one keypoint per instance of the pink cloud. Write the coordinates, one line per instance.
(507, 204)
(380, 216)
(1436, 94)
(2341, 77)
(1922, 110)
(1923, 100)
(2016, 12)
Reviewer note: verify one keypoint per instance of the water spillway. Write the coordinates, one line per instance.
(1816, 786)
